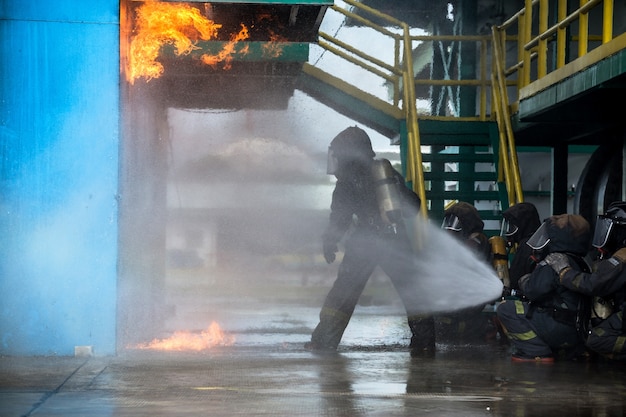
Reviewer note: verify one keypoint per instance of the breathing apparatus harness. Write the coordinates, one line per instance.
(579, 318)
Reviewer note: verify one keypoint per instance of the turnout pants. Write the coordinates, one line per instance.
(608, 338)
(364, 250)
(538, 333)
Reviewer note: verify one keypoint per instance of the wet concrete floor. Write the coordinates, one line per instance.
(267, 372)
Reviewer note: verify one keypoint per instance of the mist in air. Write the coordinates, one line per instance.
(450, 276)
(248, 199)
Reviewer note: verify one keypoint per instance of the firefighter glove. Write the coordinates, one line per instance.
(558, 261)
(329, 251)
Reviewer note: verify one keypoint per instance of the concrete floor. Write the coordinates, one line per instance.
(267, 372)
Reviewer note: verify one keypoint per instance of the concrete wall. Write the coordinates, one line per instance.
(59, 138)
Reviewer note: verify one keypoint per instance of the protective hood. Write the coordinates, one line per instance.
(467, 218)
(522, 220)
(563, 233)
(351, 147)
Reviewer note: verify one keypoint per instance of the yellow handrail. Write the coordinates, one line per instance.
(536, 35)
(414, 147)
(401, 68)
(500, 103)
(534, 47)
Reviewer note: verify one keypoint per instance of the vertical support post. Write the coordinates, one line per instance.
(561, 34)
(526, 36)
(623, 191)
(559, 179)
(542, 58)
(607, 21)
(583, 31)
(467, 56)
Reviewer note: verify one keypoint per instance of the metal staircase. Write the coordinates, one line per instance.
(462, 165)
(444, 158)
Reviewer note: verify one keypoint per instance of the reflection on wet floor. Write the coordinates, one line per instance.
(267, 372)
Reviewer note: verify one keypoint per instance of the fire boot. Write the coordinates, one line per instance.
(422, 335)
(328, 333)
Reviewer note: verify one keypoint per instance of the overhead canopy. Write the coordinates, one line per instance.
(264, 65)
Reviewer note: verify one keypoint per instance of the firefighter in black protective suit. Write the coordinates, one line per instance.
(549, 324)
(370, 241)
(463, 222)
(607, 283)
(519, 223)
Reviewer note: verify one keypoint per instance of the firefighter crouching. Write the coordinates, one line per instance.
(606, 284)
(519, 223)
(462, 220)
(549, 325)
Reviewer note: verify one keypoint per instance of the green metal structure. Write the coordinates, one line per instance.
(488, 97)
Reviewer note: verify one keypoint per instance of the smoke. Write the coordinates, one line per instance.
(266, 198)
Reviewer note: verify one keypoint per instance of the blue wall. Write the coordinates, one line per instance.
(59, 137)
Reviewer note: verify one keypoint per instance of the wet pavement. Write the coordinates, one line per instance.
(267, 372)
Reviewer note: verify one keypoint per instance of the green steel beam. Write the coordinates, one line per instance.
(597, 76)
(254, 51)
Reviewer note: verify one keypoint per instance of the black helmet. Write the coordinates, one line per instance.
(610, 230)
(349, 146)
(462, 218)
(519, 221)
(561, 233)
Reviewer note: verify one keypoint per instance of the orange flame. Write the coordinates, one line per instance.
(273, 49)
(187, 341)
(178, 24)
(226, 53)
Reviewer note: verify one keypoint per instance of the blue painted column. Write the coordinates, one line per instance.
(59, 138)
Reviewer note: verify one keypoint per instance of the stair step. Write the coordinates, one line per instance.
(429, 127)
(468, 196)
(458, 176)
(459, 139)
(455, 157)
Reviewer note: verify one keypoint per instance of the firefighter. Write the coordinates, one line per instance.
(519, 223)
(463, 221)
(607, 283)
(370, 240)
(548, 325)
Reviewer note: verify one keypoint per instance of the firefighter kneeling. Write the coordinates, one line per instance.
(549, 325)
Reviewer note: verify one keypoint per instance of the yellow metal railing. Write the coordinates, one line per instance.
(509, 167)
(548, 33)
(397, 73)
(543, 37)
(549, 43)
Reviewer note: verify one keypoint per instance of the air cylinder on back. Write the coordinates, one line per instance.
(387, 192)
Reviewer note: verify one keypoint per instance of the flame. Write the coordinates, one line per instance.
(273, 49)
(226, 54)
(178, 24)
(187, 341)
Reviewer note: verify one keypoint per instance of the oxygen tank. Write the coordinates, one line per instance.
(500, 259)
(387, 192)
(601, 309)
